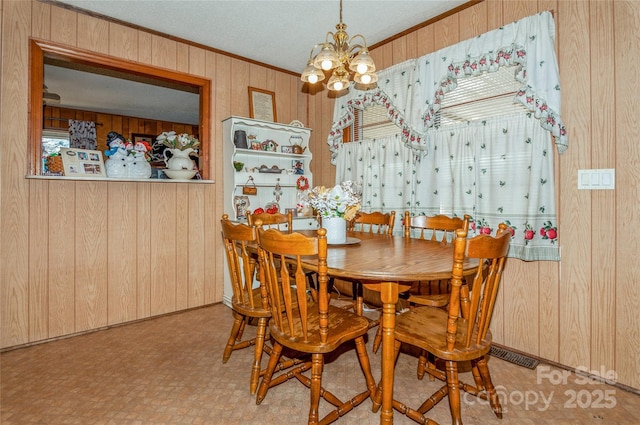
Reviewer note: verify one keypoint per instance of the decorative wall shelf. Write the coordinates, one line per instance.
(257, 133)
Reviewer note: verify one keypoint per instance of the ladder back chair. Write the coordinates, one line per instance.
(305, 326)
(247, 303)
(461, 333)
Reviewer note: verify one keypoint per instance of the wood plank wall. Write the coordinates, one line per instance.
(77, 256)
(56, 118)
(582, 311)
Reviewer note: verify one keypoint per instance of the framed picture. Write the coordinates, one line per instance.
(262, 104)
(156, 152)
(298, 166)
(82, 163)
(139, 137)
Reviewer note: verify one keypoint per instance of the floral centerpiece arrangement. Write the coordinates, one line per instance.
(181, 142)
(342, 200)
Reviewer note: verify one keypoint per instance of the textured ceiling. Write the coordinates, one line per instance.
(276, 33)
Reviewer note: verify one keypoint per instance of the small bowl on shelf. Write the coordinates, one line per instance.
(238, 165)
(180, 174)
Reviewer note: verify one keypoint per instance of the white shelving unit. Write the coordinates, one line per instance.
(254, 160)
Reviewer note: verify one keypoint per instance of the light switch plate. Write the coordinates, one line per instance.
(597, 179)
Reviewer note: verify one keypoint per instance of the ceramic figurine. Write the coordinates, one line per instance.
(140, 167)
(115, 141)
(118, 164)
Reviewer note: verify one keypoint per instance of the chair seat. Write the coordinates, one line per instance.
(425, 328)
(244, 309)
(343, 326)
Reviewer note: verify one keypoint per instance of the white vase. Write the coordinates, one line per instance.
(179, 160)
(336, 229)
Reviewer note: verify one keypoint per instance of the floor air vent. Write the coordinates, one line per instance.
(515, 358)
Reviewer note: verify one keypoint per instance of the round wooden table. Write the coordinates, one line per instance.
(384, 262)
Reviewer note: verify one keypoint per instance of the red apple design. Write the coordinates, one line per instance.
(485, 230)
(528, 234)
(542, 231)
(552, 233)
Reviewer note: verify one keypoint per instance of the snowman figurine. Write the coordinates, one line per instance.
(117, 164)
(140, 167)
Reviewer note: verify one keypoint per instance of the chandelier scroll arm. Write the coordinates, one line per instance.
(352, 46)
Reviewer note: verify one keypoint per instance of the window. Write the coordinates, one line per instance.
(484, 96)
(486, 156)
(374, 123)
(53, 140)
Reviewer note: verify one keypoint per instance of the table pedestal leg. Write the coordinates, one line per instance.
(389, 297)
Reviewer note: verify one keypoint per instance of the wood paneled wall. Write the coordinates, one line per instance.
(82, 255)
(582, 311)
(56, 118)
(78, 256)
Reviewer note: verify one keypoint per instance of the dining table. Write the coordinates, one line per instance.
(384, 263)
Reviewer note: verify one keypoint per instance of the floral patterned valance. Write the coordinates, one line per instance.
(412, 91)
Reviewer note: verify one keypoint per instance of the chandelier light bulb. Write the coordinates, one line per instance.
(366, 79)
(326, 65)
(361, 68)
(337, 85)
(313, 79)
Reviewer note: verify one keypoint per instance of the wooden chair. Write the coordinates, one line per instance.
(374, 222)
(280, 221)
(441, 228)
(247, 302)
(433, 293)
(304, 326)
(461, 333)
(284, 223)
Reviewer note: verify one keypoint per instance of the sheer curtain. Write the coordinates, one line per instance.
(385, 167)
(499, 170)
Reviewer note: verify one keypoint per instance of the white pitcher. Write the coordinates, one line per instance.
(180, 159)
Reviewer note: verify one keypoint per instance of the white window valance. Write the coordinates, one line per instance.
(411, 91)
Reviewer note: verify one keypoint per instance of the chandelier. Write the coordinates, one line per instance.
(340, 54)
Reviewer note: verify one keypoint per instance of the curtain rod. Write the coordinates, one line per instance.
(64, 119)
